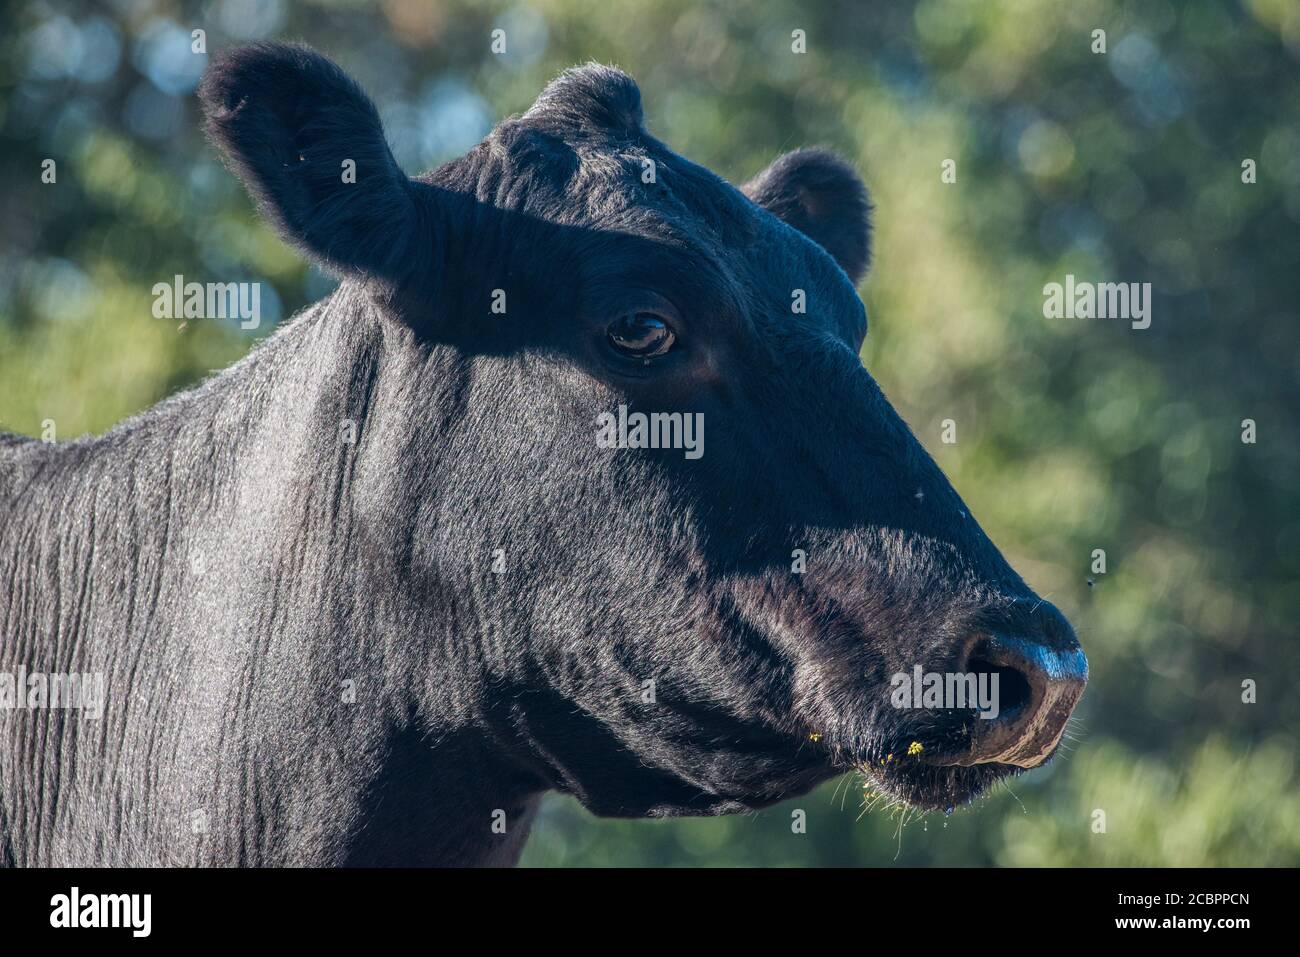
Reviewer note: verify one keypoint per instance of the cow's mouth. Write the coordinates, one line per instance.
(941, 758)
(931, 782)
(945, 758)
(936, 787)
(929, 767)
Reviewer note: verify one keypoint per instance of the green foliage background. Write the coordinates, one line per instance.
(1072, 435)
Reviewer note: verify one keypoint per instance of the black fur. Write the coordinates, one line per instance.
(229, 561)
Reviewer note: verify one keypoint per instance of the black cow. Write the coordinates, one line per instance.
(370, 593)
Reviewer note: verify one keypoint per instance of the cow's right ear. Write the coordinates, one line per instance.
(308, 144)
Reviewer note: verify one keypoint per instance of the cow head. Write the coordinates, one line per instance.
(624, 451)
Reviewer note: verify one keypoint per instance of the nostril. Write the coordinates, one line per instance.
(1014, 692)
(1037, 688)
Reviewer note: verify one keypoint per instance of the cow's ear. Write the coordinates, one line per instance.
(309, 146)
(820, 195)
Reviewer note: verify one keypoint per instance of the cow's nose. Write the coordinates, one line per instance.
(1040, 678)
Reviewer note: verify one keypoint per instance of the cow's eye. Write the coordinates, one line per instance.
(641, 335)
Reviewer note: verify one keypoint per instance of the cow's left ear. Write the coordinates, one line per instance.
(309, 146)
(820, 195)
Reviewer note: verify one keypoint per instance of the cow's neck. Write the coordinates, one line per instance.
(275, 694)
